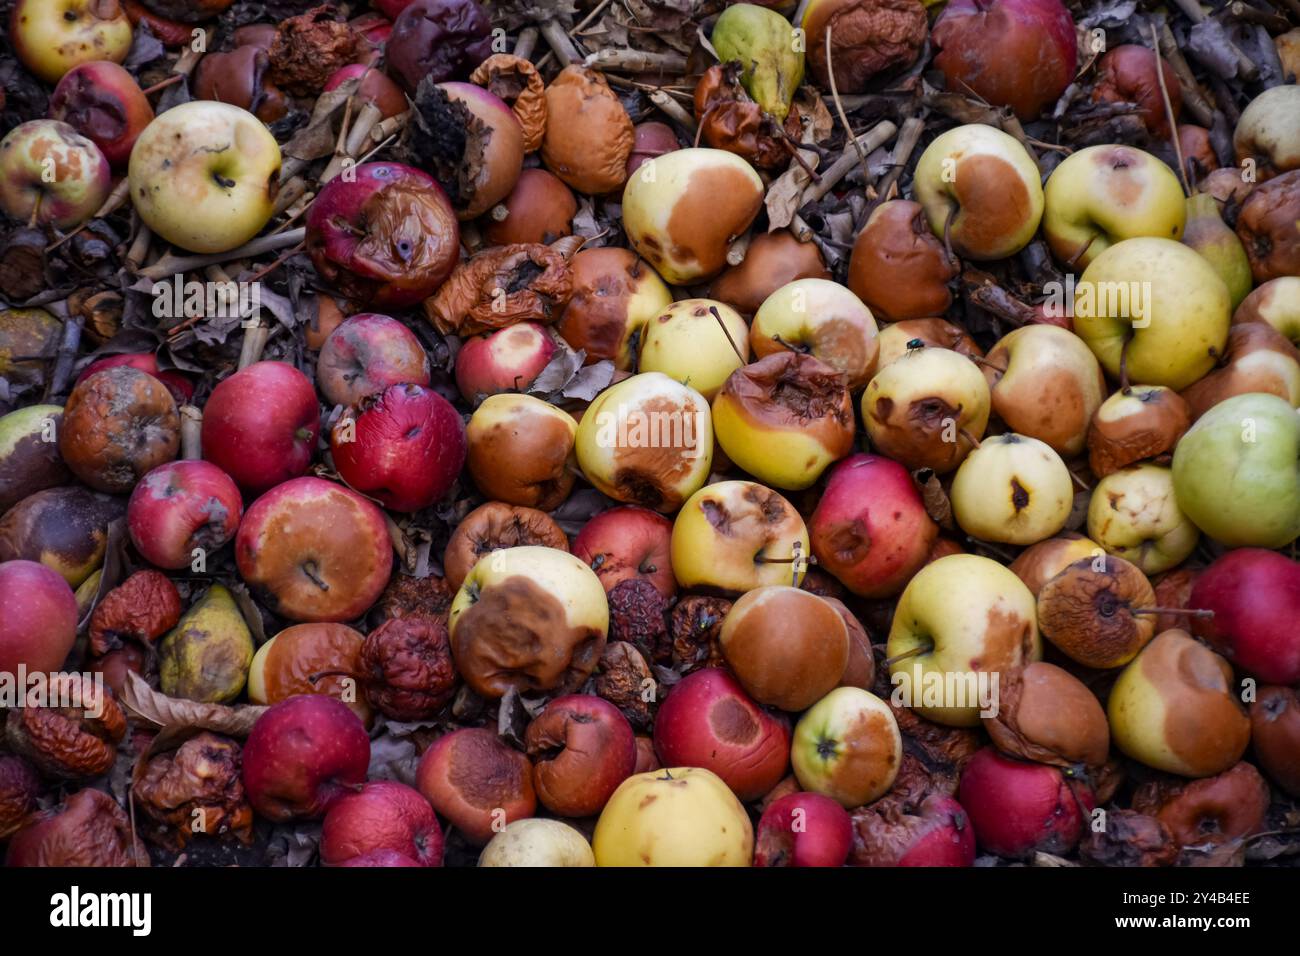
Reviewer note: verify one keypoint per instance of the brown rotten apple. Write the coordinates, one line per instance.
(1258, 358)
(1127, 74)
(521, 451)
(589, 135)
(1048, 715)
(821, 318)
(1094, 611)
(493, 526)
(1226, 807)
(897, 339)
(615, 293)
(1275, 734)
(477, 781)
(785, 418)
(772, 260)
(1269, 227)
(314, 658)
(866, 37)
(1139, 421)
(898, 267)
(582, 748)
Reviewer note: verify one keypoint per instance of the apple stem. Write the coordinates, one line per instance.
(839, 106)
(1083, 249)
(974, 442)
(789, 345)
(1177, 611)
(309, 569)
(1123, 363)
(730, 341)
(914, 652)
(321, 675)
(36, 210)
(947, 232)
(1169, 111)
(174, 78)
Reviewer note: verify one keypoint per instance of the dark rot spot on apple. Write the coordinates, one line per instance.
(714, 199)
(485, 772)
(732, 722)
(994, 203)
(1019, 496)
(791, 390)
(647, 472)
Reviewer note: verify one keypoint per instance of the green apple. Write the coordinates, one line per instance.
(1134, 515)
(1012, 489)
(960, 617)
(1156, 307)
(1208, 234)
(847, 747)
(698, 342)
(982, 188)
(765, 44)
(1104, 194)
(1237, 472)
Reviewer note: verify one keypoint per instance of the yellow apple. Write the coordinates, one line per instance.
(1012, 489)
(847, 747)
(1133, 514)
(1276, 302)
(50, 37)
(698, 342)
(204, 176)
(537, 842)
(822, 318)
(681, 816)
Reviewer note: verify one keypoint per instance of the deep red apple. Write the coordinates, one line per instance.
(1018, 808)
(405, 447)
(507, 360)
(365, 354)
(103, 102)
(1255, 597)
(260, 425)
(582, 748)
(38, 617)
(871, 529)
(303, 755)
(180, 507)
(383, 816)
(628, 542)
(384, 858)
(891, 832)
(385, 235)
(707, 720)
(178, 383)
(391, 8)
(803, 829)
(477, 781)
(1016, 53)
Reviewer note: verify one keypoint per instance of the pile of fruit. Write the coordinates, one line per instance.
(668, 432)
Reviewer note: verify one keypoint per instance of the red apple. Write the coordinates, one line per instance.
(477, 781)
(314, 551)
(803, 829)
(382, 817)
(260, 425)
(937, 832)
(507, 360)
(391, 8)
(582, 748)
(405, 447)
(367, 353)
(384, 858)
(385, 234)
(103, 103)
(707, 720)
(1255, 597)
(1018, 808)
(375, 87)
(1016, 53)
(181, 507)
(871, 529)
(303, 755)
(38, 617)
(178, 383)
(629, 542)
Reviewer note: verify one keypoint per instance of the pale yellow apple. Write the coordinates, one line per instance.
(1276, 302)
(1012, 489)
(537, 842)
(1156, 304)
(50, 37)
(698, 342)
(847, 747)
(823, 318)
(735, 536)
(680, 816)
(1046, 383)
(958, 618)
(982, 188)
(1104, 194)
(924, 408)
(647, 440)
(204, 176)
(1134, 515)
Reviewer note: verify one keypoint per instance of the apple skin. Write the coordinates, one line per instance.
(707, 720)
(178, 383)
(1268, 131)
(686, 343)
(82, 177)
(826, 320)
(195, 191)
(615, 293)
(309, 532)
(383, 815)
(1257, 636)
(975, 614)
(38, 617)
(1018, 808)
(51, 38)
(803, 830)
(937, 832)
(260, 425)
(29, 461)
(180, 507)
(895, 243)
(365, 354)
(1242, 493)
(302, 756)
(1134, 514)
(1012, 489)
(847, 747)
(1276, 302)
(1104, 194)
(507, 360)
(477, 782)
(628, 542)
(989, 185)
(521, 451)
(537, 842)
(582, 748)
(1275, 735)
(870, 529)
(375, 87)
(406, 447)
(1186, 310)
(104, 103)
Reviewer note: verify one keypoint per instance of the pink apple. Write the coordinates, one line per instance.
(383, 816)
(507, 360)
(871, 529)
(260, 425)
(803, 829)
(404, 446)
(937, 832)
(1018, 808)
(38, 617)
(302, 756)
(180, 507)
(178, 383)
(707, 720)
(1255, 597)
(103, 102)
(628, 542)
(367, 353)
